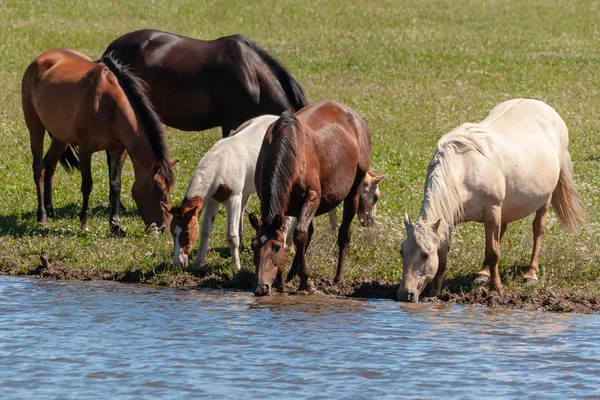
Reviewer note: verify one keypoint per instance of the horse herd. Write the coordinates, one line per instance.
(301, 160)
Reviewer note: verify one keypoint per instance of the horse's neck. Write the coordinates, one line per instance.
(202, 180)
(438, 206)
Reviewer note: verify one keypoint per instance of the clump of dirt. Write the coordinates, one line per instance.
(537, 299)
(540, 299)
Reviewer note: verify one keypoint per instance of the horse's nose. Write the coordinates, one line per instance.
(262, 290)
(413, 297)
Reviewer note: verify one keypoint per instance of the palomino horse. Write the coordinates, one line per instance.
(198, 84)
(308, 164)
(225, 175)
(95, 106)
(510, 165)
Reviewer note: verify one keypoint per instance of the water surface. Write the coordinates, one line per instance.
(109, 340)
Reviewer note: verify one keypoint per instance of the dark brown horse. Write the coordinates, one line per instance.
(308, 164)
(94, 106)
(200, 84)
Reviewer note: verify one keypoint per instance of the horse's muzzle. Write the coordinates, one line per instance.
(262, 290)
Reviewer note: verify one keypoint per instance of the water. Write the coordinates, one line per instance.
(108, 340)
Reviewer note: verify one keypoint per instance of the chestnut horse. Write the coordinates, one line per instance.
(308, 164)
(95, 106)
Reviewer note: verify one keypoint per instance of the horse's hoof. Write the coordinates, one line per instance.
(530, 281)
(308, 287)
(45, 224)
(116, 231)
(481, 279)
(337, 279)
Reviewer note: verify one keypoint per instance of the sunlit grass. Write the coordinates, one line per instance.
(413, 69)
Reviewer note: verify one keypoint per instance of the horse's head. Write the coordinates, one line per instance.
(151, 188)
(184, 228)
(419, 257)
(268, 245)
(369, 195)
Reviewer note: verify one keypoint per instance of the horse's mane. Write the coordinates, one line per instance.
(291, 87)
(134, 89)
(442, 198)
(284, 154)
(241, 127)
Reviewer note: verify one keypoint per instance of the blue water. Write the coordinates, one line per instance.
(108, 340)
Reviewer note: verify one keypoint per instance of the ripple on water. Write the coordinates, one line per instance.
(84, 339)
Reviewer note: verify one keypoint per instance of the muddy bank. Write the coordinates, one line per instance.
(534, 299)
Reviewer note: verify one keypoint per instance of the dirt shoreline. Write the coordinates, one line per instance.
(537, 299)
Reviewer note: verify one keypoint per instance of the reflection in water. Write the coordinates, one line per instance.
(108, 340)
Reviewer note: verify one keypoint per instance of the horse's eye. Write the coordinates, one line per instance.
(424, 256)
(276, 248)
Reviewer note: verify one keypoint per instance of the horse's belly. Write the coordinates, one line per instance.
(527, 199)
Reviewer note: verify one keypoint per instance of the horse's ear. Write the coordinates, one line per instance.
(435, 227)
(407, 224)
(255, 221)
(171, 163)
(193, 205)
(277, 222)
(378, 178)
(166, 207)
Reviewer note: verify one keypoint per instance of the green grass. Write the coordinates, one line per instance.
(414, 69)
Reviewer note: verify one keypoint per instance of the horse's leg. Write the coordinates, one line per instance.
(210, 212)
(290, 226)
(492, 225)
(241, 231)
(299, 266)
(333, 225)
(539, 226)
(117, 158)
(438, 279)
(350, 208)
(36, 143)
(302, 234)
(85, 162)
(57, 148)
(484, 273)
(234, 213)
(109, 161)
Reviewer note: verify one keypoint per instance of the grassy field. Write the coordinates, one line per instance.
(413, 69)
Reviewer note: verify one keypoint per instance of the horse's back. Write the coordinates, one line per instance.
(333, 125)
(340, 145)
(57, 87)
(527, 141)
(527, 122)
(233, 158)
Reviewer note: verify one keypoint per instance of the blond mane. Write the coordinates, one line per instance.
(442, 199)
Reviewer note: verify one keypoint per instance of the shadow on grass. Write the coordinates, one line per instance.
(20, 225)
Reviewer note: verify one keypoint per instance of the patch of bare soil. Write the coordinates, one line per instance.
(545, 300)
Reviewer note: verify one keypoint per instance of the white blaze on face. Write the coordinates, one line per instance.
(179, 259)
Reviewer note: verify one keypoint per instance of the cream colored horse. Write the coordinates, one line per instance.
(510, 165)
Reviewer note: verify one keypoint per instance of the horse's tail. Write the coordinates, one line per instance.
(291, 87)
(133, 87)
(565, 200)
(69, 159)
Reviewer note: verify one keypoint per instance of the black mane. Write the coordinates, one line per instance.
(134, 89)
(283, 158)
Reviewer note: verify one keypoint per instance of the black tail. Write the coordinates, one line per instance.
(291, 87)
(133, 88)
(69, 159)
